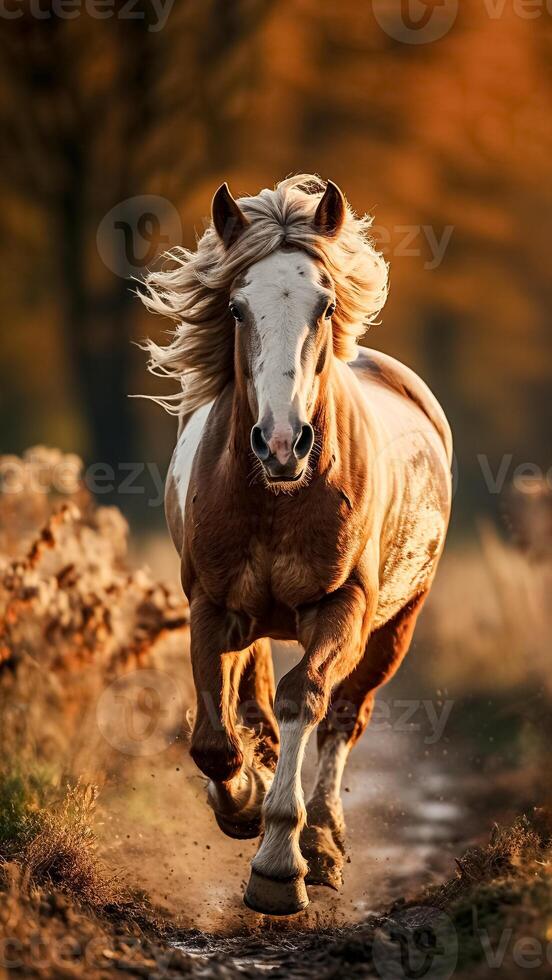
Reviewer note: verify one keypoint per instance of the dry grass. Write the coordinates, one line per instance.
(511, 852)
(73, 616)
(67, 594)
(46, 933)
(49, 832)
(61, 908)
(63, 852)
(502, 890)
(489, 619)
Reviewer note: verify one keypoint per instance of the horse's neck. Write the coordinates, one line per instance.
(334, 412)
(241, 422)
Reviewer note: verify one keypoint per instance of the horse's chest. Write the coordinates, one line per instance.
(280, 554)
(283, 575)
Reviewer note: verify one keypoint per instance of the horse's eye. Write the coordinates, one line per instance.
(235, 312)
(330, 311)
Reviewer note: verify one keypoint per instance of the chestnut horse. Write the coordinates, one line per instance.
(308, 497)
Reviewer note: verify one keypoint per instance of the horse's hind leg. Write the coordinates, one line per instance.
(256, 703)
(253, 680)
(322, 839)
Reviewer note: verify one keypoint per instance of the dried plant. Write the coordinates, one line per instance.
(73, 615)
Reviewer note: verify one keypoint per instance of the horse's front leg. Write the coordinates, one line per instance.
(219, 657)
(322, 840)
(333, 633)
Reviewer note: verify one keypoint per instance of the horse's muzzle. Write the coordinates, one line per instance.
(276, 472)
(283, 462)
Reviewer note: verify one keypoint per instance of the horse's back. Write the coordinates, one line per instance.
(380, 370)
(414, 457)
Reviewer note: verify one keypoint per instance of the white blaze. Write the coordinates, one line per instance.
(282, 291)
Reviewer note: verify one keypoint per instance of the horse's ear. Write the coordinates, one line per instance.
(330, 213)
(228, 218)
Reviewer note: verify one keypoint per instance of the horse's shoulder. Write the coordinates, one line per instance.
(380, 368)
(190, 431)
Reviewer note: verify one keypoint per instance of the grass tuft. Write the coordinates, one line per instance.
(50, 834)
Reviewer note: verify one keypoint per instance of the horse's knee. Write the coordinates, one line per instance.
(219, 759)
(300, 697)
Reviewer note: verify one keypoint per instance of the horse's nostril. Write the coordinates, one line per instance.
(259, 444)
(304, 443)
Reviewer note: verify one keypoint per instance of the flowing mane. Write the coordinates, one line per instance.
(194, 290)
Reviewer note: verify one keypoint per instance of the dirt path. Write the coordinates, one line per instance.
(429, 778)
(414, 796)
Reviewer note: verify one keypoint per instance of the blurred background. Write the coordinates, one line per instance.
(119, 120)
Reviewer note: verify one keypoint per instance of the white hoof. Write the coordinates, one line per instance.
(273, 896)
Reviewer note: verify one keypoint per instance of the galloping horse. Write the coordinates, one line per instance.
(308, 497)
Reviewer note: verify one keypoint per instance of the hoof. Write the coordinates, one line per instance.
(275, 897)
(238, 806)
(324, 857)
(327, 819)
(322, 871)
(238, 828)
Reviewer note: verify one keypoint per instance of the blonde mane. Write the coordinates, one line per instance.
(195, 290)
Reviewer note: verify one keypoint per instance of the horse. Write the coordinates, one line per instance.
(308, 498)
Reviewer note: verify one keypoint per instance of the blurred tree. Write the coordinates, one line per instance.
(455, 134)
(96, 112)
